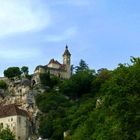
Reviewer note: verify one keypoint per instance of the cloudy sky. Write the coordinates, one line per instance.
(102, 32)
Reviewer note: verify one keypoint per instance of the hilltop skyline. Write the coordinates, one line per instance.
(103, 33)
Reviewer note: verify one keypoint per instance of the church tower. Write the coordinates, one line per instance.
(66, 56)
(67, 61)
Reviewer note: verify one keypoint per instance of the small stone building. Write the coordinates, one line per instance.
(16, 119)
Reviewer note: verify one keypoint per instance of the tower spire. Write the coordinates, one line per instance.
(67, 53)
(66, 47)
(66, 56)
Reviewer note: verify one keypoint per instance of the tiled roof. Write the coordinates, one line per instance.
(67, 51)
(54, 62)
(11, 110)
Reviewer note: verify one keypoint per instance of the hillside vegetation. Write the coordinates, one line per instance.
(102, 105)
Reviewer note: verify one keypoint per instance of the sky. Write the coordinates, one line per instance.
(104, 33)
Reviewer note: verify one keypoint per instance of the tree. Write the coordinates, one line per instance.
(3, 84)
(12, 72)
(52, 123)
(118, 116)
(83, 66)
(45, 127)
(25, 70)
(6, 134)
(50, 101)
(78, 84)
(101, 77)
(48, 80)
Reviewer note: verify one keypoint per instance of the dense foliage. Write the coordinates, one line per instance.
(12, 72)
(3, 84)
(78, 85)
(53, 121)
(6, 134)
(89, 106)
(48, 80)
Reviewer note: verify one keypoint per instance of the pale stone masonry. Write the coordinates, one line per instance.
(55, 68)
(16, 119)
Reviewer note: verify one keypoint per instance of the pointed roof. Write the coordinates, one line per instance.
(67, 51)
(54, 62)
(11, 110)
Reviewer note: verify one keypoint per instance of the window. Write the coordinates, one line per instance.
(1, 125)
(11, 119)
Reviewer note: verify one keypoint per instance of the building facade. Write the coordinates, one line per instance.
(16, 119)
(56, 68)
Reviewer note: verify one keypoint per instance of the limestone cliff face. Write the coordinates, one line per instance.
(21, 93)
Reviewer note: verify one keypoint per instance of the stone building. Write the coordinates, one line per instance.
(55, 68)
(16, 119)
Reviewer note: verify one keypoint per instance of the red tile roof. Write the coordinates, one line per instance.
(11, 110)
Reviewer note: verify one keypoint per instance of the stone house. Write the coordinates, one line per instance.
(55, 68)
(16, 119)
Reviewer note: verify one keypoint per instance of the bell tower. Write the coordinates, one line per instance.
(66, 56)
(67, 62)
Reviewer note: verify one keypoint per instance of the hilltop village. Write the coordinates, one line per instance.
(18, 109)
(56, 104)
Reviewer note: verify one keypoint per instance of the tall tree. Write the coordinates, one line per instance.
(82, 66)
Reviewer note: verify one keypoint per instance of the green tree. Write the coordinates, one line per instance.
(6, 134)
(118, 116)
(12, 72)
(25, 70)
(48, 80)
(50, 101)
(101, 77)
(45, 127)
(83, 66)
(78, 84)
(3, 84)
(52, 123)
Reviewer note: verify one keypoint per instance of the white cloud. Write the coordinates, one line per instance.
(16, 53)
(22, 15)
(67, 34)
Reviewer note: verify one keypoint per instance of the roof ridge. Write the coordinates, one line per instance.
(11, 110)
